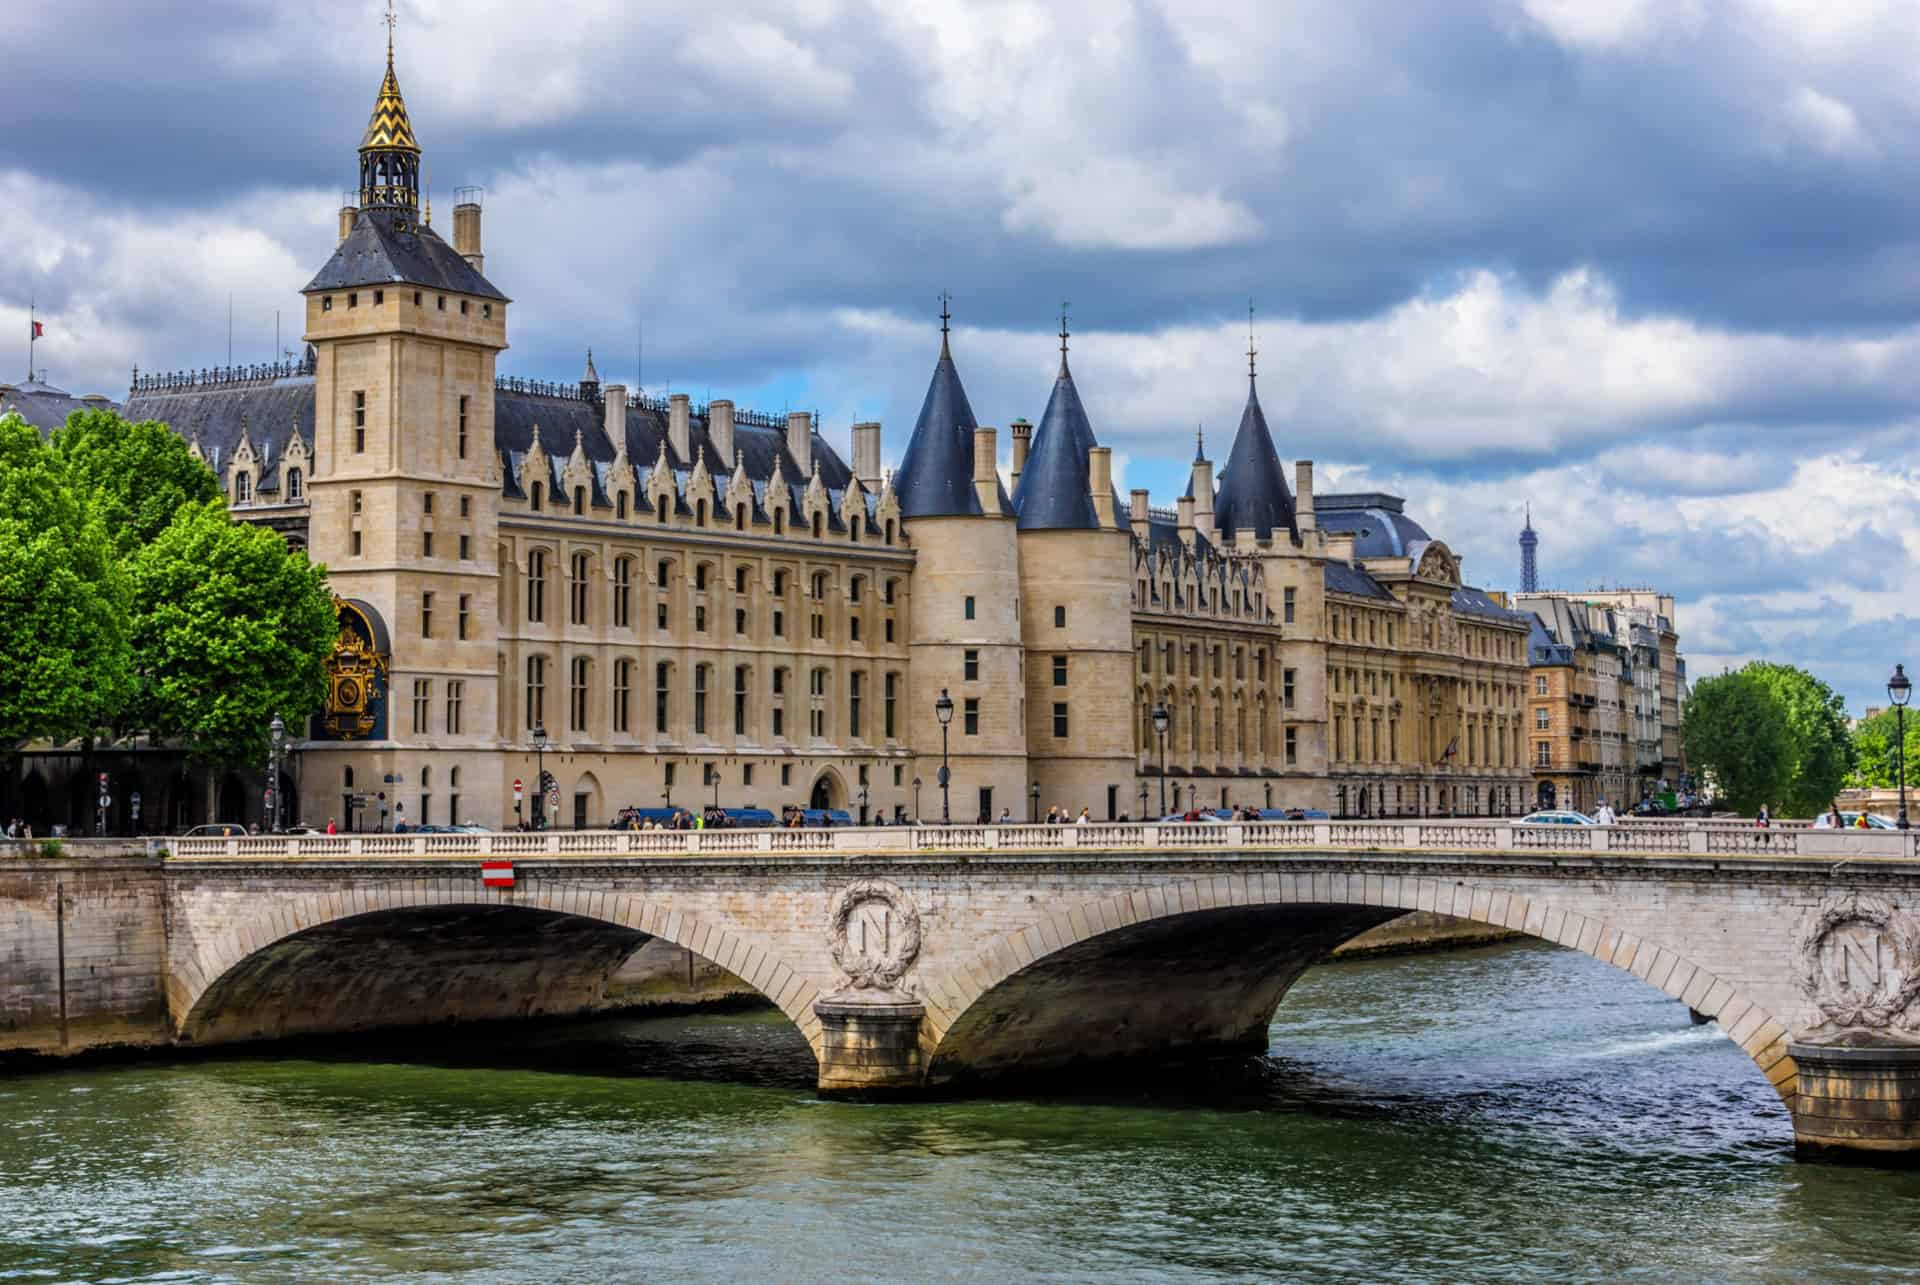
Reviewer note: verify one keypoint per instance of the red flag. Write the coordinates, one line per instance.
(38, 329)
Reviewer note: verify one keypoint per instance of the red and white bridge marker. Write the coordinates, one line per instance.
(496, 874)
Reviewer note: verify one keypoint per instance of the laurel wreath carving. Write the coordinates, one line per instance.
(875, 974)
(1825, 991)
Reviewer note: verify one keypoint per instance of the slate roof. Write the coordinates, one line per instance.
(1379, 528)
(1253, 494)
(935, 477)
(1469, 601)
(46, 407)
(1054, 493)
(1543, 648)
(377, 253)
(270, 411)
(1342, 577)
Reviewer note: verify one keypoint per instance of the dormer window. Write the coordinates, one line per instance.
(242, 487)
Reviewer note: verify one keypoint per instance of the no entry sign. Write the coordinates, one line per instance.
(496, 874)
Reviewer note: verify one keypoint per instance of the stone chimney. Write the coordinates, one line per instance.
(615, 419)
(466, 233)
(1022, 443)
(1203, 497)
(1100, 486)
(1185, 524)
(680, 428)
(720, 430)
(800, 441)
(986, 469)
(1139, 516)
(348, 213)
(866, 455)
(1303, 496)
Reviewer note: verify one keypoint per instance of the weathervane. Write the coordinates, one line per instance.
(1251, 350)
(391, 20)
(946, 317)
(1064, 305)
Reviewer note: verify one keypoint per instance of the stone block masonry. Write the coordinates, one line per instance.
(82, 955)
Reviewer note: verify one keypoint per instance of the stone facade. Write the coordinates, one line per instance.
(699, 603)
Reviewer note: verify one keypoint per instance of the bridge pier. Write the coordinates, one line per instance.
(1857, 1103)
(870, 1046)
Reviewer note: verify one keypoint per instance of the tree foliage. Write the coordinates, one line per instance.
(229, 628)
(134, 476)
(1818, 749)
(1735, 734)
(1875, 764)
(63, 645)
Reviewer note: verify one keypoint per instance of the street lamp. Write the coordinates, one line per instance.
(540, 774)
(1160, 721)
(1143, 801)
(863, 805)
(943, 710)
(1033, 803)
(713, 777)
(1899, 691)
(916, 800)
(277, 737)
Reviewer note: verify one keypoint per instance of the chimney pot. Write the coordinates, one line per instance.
(720, 430)
(800, 441)
(680, 428)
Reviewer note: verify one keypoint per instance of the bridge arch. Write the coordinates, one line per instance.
(589, 933)
(1039, 992)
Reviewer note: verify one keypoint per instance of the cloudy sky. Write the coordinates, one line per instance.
(1652, 265)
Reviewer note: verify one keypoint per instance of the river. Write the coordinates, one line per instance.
(1514, 1113)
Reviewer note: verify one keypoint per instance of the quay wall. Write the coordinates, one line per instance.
(83, 950)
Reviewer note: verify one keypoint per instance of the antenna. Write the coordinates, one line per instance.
(229, 327)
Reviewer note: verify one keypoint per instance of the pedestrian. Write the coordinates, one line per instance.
(1006, 815)
(333, 825)
(1860, 822)
(1084, 818)
(1833, 818)
(1604, 814)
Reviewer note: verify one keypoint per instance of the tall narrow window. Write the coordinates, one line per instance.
(970, 723)
(817, 715)
(779, 702)
(700, 698)
(622, 592)
(242, 487)
(359, 422)
(1059, 671)
(426, 614)
(536, 691)
(537, 586)
(742, 676)
(456, 706)
(892, 692)
(578, 590)
(1060, 617)
(622, 682)
(970, 665)
(422, 705)
(461, 441)
(466, 602)
(856, 684)
(1060, 720)
(1286, 606)
(295, 483)
(662, 695)
(1286, 688)
(967, 607)
(577, 696)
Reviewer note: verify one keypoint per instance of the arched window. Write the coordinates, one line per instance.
(533, 497)
(536, 691)
(620, 506)
(622, 685)
(739, 517)
(742, 683)
(580, 499)
(819, 525)
(889, 536)
(699, 512)
(577, 695)
(779, 522)
(578, 606)
(296, 485)
(537, 586)
(623, 593)
(661, 510)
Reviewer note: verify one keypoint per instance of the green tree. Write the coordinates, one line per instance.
(1736, 735)
(1820, 751)
(63, 643)
(134, 476)
(229, 627)
(1875, 766)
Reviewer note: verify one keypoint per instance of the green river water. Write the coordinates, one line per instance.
(1514, 1113)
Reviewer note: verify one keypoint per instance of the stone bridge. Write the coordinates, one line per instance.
(916, 960)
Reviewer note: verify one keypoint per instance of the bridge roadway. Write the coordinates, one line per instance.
(932, 959)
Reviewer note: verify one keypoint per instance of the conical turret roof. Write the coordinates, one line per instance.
(935, 477)
(1053, 494)
(1253, 495)
(389, 130)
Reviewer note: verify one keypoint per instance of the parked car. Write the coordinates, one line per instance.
(1558, 816)
(1205, 818)
(216, 830)
(1848, 820)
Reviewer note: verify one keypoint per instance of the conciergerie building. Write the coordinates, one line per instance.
(701, 601)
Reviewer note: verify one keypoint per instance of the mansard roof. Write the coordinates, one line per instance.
(1053, 494)
(1379, 527)
(46, 407)
(388, 247)
(935, 477)
(1342, 577)
(1253, 494)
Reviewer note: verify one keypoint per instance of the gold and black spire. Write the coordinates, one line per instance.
(389, 154)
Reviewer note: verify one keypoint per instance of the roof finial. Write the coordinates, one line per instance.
(1064, 305)
(391, 19)
(946, 318)
(1251, 350)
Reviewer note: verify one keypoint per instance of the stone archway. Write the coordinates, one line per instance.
(1199, 972)
(828, 791)
(409, 953)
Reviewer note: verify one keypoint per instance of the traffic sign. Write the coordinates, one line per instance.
(518, 790)
(106, 800)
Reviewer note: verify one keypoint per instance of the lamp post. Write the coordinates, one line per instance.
(1160, 721)
(863, 805)
(1033, 803)
(1899, 691)
(277, 737)
(943, 710)
(1143, 802)
(540, 774)
(713, 776)
(916, 800)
